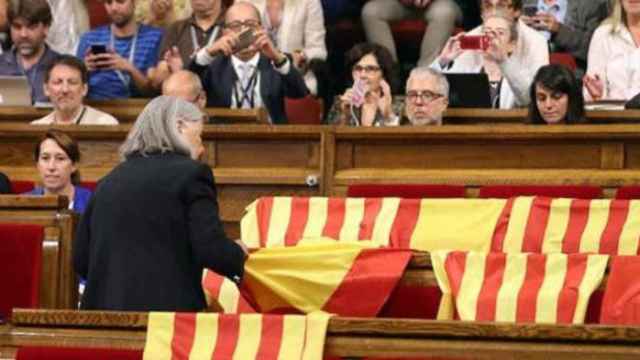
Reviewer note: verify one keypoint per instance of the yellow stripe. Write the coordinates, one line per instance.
(384, 221)
(628, 244)
(445, 310)
(596, 265)
(456, 224)
(470, 286)
(249, 226)
(512, 280)
(316, 331)
(517, 224)
(159, 336)
(354, 212)
(249, 336)
(597, 221)
(205, 337)
(317, 218)
(279, 222)
(547, 303)
(292, 344)
(229, 296)
(557, 226)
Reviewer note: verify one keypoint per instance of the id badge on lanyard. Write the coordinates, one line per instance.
(125, 78)
(194, 38)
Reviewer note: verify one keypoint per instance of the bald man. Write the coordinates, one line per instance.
(258, 75)
(185, 85)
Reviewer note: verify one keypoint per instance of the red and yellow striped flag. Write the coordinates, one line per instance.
(546, 225)
(200, 336)
(223, 295)
(420, 224)
(621, 303)
(522, 288)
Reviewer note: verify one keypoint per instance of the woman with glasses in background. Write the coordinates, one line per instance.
(369, 101)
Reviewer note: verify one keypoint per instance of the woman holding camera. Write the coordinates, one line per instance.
(494, 53)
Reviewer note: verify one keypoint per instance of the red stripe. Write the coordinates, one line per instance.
(228, 333)
(270, 337)
(536, 225)
(497, 242)
(212, 284)
(578, 217)
(568, 298)
(528, 295)
(372, 208)
(336, 209)
(454, 265)
(372, 276)
(610, 240)
(404, 224)
(297, 221)
(263, 212)
(488, 296)
(184, 330)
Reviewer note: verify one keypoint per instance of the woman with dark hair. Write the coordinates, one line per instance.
(57, 156)
(368, 102)
(558, 97)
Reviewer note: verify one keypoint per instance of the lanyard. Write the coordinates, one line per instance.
(125, 78)
(77, 120)
(194, 38)
(248, 92)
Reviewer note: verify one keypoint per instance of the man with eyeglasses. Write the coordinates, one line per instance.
(427, 97)
(258, 75)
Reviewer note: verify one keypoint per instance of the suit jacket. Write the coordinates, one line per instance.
(150, 229)
(219, 77)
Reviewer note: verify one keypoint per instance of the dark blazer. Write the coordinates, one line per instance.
(581, 20)
(148, 232)
(219, 77)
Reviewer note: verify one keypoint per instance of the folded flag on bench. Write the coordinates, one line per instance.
(521, 288)
(191, 336)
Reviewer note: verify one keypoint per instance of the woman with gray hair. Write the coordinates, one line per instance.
(152, 225)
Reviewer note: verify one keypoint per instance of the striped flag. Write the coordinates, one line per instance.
(223, 295)
(521, 288)
(621, 303)
(327, 276)
(200, 336)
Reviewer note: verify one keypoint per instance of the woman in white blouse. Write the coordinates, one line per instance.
(613, 66)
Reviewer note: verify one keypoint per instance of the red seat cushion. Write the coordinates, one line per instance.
(20, 266)
(307, 110)
(91, 185)
(97, 13)
(406, 191)
(569, 191)
(61, 353)
(565, 59)
(21, 187)
(628, 192)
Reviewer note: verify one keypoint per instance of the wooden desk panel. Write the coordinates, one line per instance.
(491, 116)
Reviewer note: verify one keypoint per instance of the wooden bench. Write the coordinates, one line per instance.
(58, 288)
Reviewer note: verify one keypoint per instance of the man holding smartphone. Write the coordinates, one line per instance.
(243, 69)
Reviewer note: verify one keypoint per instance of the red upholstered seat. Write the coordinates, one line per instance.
(628, 192)
(60, 353)
(408, 31)
(20, 266)
(91, 185)
(565, 59)
(569, 191)
(20, 187)
(406, 191)
(97, 13)
(307, 110)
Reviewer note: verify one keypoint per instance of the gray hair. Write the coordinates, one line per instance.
(424, 72)
(156, 128)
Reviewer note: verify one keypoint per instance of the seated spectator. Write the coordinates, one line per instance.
(57, 156)
(568, 24)
(441, 15)
(29, 21)
(131, 50)
(5, 184)
(4, 26)
(369, 101)
(427, 97)
(65, 83)
(613, 71)
(509, 69)
(161, 13)
(256, 76)
(70, 20)
(187, 86)
(558, 97)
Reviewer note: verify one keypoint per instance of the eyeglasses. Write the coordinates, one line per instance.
(237, 26)
(425, 96)
(366, 68)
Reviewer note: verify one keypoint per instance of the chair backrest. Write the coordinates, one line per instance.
(68, 353)
(565, 59)
(406, 191)
(628, 192)
(21, 186)
(568, 191)
(307, 110)
(91, 185)
(20, 266)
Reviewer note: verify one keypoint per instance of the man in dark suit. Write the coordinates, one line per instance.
(258, 75)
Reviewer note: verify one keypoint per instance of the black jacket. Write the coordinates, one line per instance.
(219, 77)
(151, 227)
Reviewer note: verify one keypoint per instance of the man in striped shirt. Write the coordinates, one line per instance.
(118, 55)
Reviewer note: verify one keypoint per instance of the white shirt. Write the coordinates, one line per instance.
(614, 56)
(252, 72)
(90, 116)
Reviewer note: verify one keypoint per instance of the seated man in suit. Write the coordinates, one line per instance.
(427, 97)
(258, 75)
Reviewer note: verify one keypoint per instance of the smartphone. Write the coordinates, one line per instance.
(530, 10)
(245, 39)
(98, 49)
(474, 42)
(360, 89)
